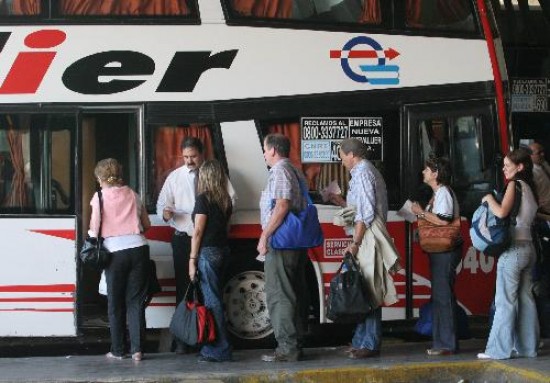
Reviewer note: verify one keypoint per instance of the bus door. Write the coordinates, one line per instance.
(37, 223)
(465, 133)
(104, 134)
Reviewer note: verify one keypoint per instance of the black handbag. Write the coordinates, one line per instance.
(93, 253)
(348, 299)
(153, 284)
(192, 322)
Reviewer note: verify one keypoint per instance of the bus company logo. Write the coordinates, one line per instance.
(374, 69)
(88, 74)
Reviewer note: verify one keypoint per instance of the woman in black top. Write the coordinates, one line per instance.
(211, 215)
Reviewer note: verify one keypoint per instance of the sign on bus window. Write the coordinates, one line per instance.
(321, 137)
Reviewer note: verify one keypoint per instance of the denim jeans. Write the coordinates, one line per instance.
(127, 283)
(515, 325)
(444, 322)
(368, 334)
(286, 296)
(210, 270)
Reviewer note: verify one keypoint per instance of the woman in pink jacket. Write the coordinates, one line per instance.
(123, 220)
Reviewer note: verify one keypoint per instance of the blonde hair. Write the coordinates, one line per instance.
(109, 170)
(213, 182)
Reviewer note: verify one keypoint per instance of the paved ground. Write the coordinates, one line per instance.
(399, 362)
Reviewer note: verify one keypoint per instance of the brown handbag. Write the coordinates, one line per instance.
(438, 238)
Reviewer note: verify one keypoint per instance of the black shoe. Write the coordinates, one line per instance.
(363, 353)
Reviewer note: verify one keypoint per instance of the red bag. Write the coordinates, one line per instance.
(192, 322)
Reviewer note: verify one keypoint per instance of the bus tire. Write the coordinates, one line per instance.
(245, 306)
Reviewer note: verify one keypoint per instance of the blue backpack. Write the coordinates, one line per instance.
(491, 234)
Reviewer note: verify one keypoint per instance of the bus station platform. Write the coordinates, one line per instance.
(398, 362)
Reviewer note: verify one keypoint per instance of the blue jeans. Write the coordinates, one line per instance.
(515, 325)
(210, 269)
(368, 334)
(127, 283)
(443, 275)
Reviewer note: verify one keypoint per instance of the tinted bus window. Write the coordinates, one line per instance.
(319, 11)
(20, 7)
(454, 15)
(36, 153)
(165, 153)
(320, 175)
(125, 7)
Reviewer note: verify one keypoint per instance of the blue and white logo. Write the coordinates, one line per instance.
(373, 69)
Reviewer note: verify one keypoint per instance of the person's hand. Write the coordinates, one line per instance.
(167, 214)
(487, 197)
(192, 268)
(416, 209)
(336, 199)
(262, 246)
(353, 249)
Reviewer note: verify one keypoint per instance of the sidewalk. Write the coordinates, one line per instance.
(399, 362)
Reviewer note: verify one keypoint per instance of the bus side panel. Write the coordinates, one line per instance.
(38, 277)
(159, 312)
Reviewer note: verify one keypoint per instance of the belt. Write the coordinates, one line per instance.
(181, 233)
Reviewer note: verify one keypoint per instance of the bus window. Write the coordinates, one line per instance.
(320, 175)
(165, 153)
(461, 137)
(125, 7)
(320, 11)
(440, 14)
(36, 153)
(20, 7)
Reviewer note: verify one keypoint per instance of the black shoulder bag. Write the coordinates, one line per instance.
(348, 299)
(93, 253)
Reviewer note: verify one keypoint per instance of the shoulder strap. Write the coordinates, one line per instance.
(517, 203)
(303, 187)
(100, 196)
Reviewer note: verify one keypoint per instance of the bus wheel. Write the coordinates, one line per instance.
(246, 307)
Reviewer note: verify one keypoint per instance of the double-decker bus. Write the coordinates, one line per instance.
(82, 80)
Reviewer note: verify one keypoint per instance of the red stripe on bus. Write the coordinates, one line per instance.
(65, 234)
(499, 88)
(243, 231)
(38, 288)
(38, 299)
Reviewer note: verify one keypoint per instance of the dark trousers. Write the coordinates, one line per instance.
(127, 283)
(181, 248)
(286, 292)
(444, 327)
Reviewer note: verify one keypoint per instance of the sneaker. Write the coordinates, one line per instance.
(483, 355)
(137, 356)
(110, 355)
(277, 357)
(207, 359)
